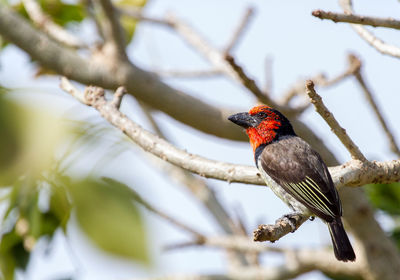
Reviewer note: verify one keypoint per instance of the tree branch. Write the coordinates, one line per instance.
(113, 31)
(188, 73)
(375, 42)
(318, 259)
(145, 86)
(221, 61)
(332, 122)
(239, 30)
(357, 19)
(297, 263)
(319, 80)
(282, 226)
(371, 100)
(353, 173)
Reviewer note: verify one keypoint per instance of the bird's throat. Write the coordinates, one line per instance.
(257, 138)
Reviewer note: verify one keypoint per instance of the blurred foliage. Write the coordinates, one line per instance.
(342, 277)
(129, 23)
(64, 13)
(386, 197)
(97, 208)
(60, 12)
(38, 197)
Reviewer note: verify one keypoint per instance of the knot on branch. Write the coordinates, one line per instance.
(92, 94)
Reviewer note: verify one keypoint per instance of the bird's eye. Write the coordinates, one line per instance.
(261, 115)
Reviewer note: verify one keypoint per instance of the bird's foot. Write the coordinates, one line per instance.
(291, 219)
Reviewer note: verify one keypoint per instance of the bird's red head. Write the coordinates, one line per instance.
(263, 125)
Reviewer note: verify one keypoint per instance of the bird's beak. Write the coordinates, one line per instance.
(243, 119)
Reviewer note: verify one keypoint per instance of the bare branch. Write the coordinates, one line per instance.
(221, 61)
(353, 173)
(55, 31)
(375, 42)
(249, 83)
(368, 94)
(297, 263)
(234, 242)
(117, 98)
(239, 30)
(321, 81)
(168, 218)
(284, 225)
(190, 74)
(269, 76)
(340, 132)
(144, 86)
(113, 30)
(198, 187)
(317, 259)
(96, 94)
(357, 19)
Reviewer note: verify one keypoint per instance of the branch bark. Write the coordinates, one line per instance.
(357, 19)
(353, 173)
(332, 122)
(145, 86)
(367, 36)
(371, 100)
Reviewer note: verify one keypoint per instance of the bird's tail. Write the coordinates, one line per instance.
(341, 243)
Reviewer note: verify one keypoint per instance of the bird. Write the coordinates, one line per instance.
(295, 172)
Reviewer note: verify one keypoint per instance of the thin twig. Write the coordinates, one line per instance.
(198, 187)
(319, 80)
(268, 75)
(190, 74)
(237, 243)
(282, 226)
(239, 30)
(113, 30)
(249, 83)
(340, 132)
(117, 98)
(357, 19)
(375, 42)
(297, 262)
(371, 100)
(218, 59)
(161, 213)
(54, 30)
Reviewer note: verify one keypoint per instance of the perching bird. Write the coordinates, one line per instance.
(295, 172)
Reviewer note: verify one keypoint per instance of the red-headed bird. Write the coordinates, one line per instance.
(295, 172)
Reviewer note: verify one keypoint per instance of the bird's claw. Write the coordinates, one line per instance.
(291, 220)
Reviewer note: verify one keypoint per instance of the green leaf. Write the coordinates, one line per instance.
(106, 213)
(12, 254)
(60, 206)
(11, 127)
(395, 234)
(7, 266)
(385, 197)
(342, 277)
(63, 13)
(129, 23)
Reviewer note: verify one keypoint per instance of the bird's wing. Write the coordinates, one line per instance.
(294, 165)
